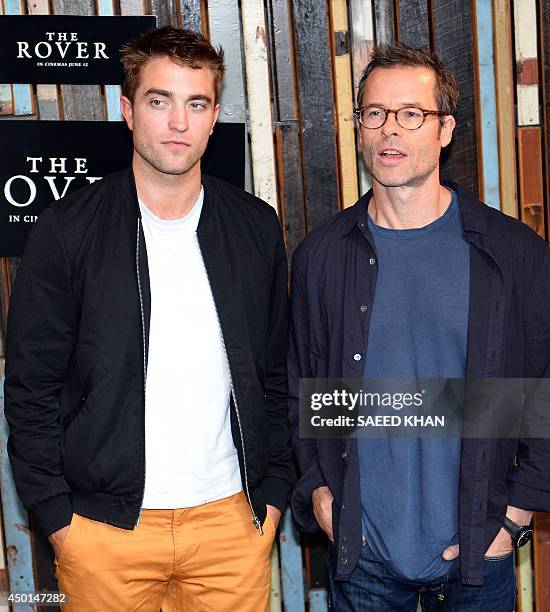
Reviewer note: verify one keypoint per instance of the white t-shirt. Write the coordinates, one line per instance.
(190, 458)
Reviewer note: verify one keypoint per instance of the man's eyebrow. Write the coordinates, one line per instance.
(404, 104)
(158, 92)
(199, 97)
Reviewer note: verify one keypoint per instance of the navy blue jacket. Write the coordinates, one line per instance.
(333, 284)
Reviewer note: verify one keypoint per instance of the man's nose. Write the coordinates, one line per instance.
(178, 119)
(391, 127)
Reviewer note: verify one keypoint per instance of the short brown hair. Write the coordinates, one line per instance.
(184, 47)
(446, 91)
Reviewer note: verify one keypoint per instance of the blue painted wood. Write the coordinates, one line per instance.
(112, 92)
(318, 600)
(488, 106)
(16, 522)
(105, 7)
(292, 574)
(23, 103)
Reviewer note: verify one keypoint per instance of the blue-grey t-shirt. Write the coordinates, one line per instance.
(418, 329)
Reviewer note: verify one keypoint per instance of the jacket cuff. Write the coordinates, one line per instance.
(52, 514)
(300, 502)
(276, 492)
(528, 498)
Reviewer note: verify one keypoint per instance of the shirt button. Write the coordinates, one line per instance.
(363, 308)
(343, 507)
(343, 560)
(372, 261)
(343, 548)
(357, 357)
(344, 455)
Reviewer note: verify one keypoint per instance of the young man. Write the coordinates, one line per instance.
(146, 362)
(418, 280)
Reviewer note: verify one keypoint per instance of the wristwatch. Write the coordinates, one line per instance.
(521, 534)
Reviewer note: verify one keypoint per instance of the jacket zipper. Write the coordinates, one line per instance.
(144, 363)
(255, 519)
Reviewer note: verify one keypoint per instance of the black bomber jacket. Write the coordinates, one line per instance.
(76, 355)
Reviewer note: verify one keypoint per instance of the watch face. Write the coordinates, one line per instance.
(524, 537)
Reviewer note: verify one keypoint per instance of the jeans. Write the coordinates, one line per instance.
(373, 588)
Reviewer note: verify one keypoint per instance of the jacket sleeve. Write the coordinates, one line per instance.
(530, 477)
(278, 483)
(40, 340)
(305, 449)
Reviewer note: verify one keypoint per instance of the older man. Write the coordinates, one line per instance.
(418, 280)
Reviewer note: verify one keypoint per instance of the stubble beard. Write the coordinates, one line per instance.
(165, 166)
(417, 177)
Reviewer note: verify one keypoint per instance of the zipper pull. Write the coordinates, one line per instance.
(257, 524)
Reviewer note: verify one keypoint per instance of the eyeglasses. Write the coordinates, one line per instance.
(408, 117)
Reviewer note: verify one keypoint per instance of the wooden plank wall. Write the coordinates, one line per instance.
(292, 72)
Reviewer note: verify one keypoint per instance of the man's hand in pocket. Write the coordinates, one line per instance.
(322, 500)
(57, 538)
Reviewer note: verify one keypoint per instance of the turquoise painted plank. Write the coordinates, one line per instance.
(318, 600)
(292, 574)
(22, 94)
(112, 100)
(488, 110)
(112, 92)
(22, 99)
(105, 7)
(16, 522)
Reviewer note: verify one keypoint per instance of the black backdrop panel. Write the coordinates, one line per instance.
(65, 48)
(40, 161)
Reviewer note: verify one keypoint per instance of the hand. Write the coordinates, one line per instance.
(57, 538)
(451, 552)
(274, 513)
(322, 501)
(502, 544)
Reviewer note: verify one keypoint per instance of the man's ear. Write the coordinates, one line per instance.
(216, 113)
(446, 133)
(127, 111)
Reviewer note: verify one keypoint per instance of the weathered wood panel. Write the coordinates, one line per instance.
(413, 22)
(312, 31)
(165, 10)
(106, 8)
(384, 21)
(487, 108)
(84, 102)
(362, 42)
(17, 535)
(503, 57)
(544, 21)
(225, 29)
(453, 41)
(22, 95)
(134, 7)
(344, 103)
(191, 15)
(291, 565)
(259, 100)
(541, 546)
(530, 179)
(287, 128)
(525, 38)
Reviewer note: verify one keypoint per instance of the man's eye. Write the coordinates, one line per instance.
(156, 102)
(413, 113)
(197, 105)
(374, 112)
